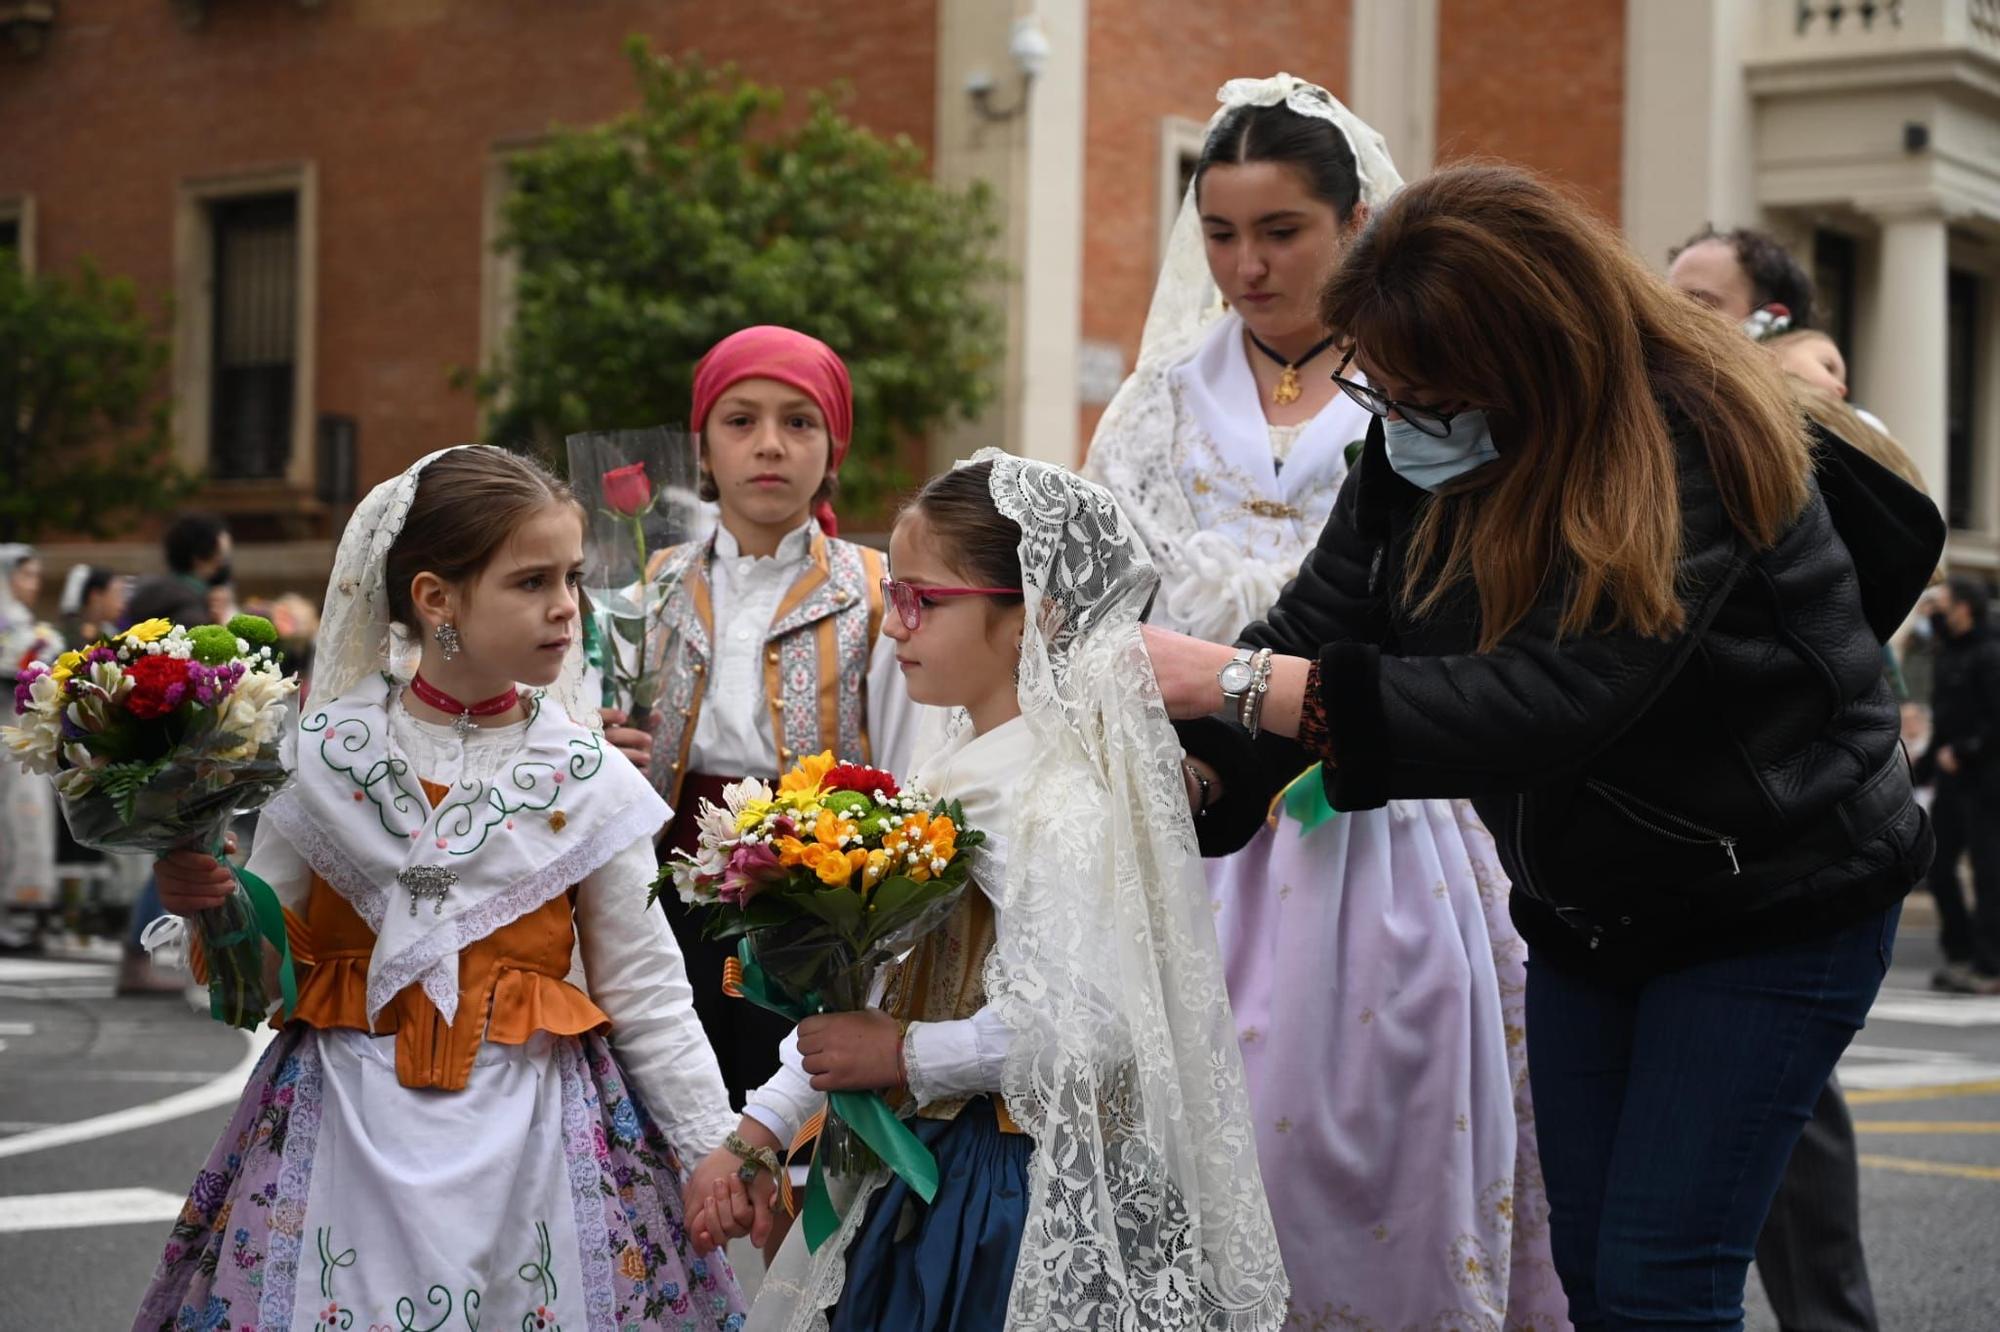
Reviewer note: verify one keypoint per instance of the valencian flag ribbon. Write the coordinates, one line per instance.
(866, 1113)
(1304, 801)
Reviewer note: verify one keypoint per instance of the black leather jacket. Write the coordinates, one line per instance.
(1740, 782)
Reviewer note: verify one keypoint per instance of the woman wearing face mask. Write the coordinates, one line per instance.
(1582, 575)
(1374, 975)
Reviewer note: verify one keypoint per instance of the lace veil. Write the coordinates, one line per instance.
(1213, 585)
(1146, 1208)
(357, 638)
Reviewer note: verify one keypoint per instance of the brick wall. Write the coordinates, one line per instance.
(1541, 84)
(1154, 58)
(398, 102)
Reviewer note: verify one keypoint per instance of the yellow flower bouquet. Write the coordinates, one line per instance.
(821, 881)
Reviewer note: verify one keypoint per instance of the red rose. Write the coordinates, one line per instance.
(859, 777)
(627, 490)
(158, 685)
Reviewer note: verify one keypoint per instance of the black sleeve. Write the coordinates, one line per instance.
(1333, 599)
(1538, 704)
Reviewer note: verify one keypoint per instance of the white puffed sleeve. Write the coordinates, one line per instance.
(637, 977)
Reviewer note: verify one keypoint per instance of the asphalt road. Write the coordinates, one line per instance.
(85, 1201)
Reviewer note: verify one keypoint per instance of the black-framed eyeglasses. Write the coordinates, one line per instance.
(1429, 420)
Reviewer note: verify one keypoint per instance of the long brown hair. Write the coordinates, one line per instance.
(1839, 416)
(1487, 285)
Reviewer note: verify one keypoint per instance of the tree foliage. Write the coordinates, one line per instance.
(644, 241)
(83, 426)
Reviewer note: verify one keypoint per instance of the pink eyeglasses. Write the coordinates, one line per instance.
(908, 598)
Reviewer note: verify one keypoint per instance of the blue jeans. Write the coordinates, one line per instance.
(1666, 1108)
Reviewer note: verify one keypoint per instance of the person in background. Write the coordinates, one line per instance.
(1963, 759)
(27, 803)
(1809, 1254)
(198, 551)
(1747, 275)
(93, 603)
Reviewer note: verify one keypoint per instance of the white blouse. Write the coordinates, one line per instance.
(732, 732)
(634, 967)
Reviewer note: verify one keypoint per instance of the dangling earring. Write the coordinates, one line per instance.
(447, 637)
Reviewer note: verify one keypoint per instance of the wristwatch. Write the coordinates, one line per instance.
(1236, 679)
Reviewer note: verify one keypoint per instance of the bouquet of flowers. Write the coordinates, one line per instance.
(638, 489)
(156, 739)
(822, 880)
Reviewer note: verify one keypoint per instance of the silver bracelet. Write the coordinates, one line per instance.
(1201, 784)
(1253, 697)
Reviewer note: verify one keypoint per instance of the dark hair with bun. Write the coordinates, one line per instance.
(1314, 148)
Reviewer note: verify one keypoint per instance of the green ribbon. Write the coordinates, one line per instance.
(1304, 801)
(268, 917)
(865, 1112)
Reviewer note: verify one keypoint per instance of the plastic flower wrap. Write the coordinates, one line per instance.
(156, 739)
(638, 489)
(822, 880)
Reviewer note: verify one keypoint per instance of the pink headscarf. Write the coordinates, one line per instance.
(790, 357)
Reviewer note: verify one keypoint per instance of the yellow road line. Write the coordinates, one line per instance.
(1888, 1095)
(1927, 1126)
(1910, 1167)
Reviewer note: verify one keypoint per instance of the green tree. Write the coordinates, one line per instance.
(644, 241)
(83, 427)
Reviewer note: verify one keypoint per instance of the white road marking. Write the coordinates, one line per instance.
(220, 1091)
(1930, 1009)
(91, 1207)
(17, 1028)
(40, 969)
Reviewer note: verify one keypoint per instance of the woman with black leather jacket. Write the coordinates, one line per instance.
(1583, 573)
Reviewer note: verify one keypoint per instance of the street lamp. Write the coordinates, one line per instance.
(1029, 47)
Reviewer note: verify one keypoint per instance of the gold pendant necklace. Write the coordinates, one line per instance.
(1288, 390)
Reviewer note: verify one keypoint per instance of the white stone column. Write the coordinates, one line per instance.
(1901, 353)
(1392, 77)
(1052, 249)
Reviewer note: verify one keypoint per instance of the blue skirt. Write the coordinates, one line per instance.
(946, 1266)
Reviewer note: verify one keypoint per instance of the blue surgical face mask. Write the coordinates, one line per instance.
(1430, 462)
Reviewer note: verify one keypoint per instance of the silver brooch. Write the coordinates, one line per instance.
(427, 883)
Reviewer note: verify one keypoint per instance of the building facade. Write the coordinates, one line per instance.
(307, 190)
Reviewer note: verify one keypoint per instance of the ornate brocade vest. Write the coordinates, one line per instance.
(943, 980)
(816, 655)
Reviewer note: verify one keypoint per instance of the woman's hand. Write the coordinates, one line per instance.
(191, 882)
(1186, 669)
(852, 1051)
(630, 741)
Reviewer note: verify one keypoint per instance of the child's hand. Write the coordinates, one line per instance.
(630, 741)
(721, 1207)
(191, 882)
(852, 1051)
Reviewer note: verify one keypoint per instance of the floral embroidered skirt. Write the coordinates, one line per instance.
(542, 1197)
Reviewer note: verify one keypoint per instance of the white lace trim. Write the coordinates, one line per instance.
(388, 977)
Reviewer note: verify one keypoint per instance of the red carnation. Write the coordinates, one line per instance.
(862, 778)
(159, 683)
(627, 490)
